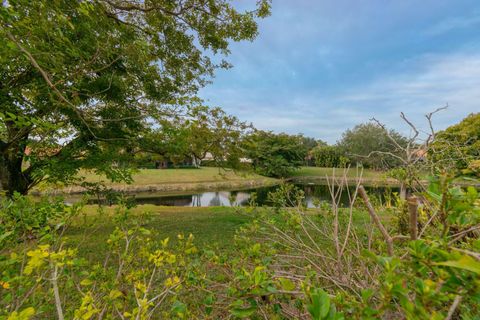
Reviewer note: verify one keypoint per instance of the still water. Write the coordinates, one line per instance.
(313, 194)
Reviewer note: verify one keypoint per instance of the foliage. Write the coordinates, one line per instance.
(422, 280)
(329, 262)
(311, 143)
(459, 208)
(368, 144)
(458, 147)
(204, 131)
(22, 218)
(330, 157)
(320, 307)
(144, 279)
(287, 262)
(82, 80)
(275, 155)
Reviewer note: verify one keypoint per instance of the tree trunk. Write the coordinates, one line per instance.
(12, 177)
(196, 162)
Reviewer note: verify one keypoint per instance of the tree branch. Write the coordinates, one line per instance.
(376, 219)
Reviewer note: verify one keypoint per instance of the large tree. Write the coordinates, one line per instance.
(204, 130)
(457, 148)
(275, 155)
(80, 80)
(371, 145)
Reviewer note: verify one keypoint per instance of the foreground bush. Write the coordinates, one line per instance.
(137, 279)
(288, 263)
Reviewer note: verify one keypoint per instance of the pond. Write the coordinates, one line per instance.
(313, 194)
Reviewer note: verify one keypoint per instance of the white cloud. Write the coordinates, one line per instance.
(425, 84)
(433, 82)
(290, 79)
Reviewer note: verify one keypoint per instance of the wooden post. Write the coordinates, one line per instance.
(413, 211)
(376, 219)
(403, 191)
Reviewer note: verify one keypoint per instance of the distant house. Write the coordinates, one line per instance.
(42, 153)
(165, 162)
(420, 154)
(209, 157)
(169, 163)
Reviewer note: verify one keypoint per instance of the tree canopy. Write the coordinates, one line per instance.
(370, 145)
(329, 156)
(458, 146)
(81, 80)
(275, 155)
(205, 130)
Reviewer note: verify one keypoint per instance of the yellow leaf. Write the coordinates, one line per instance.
(86, 282)
(5, 285)
(114, 294)
(23, 315)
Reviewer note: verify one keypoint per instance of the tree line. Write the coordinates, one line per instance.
(368, 145)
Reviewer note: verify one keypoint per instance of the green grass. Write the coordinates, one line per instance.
(211, 226)
(165, 176)
(323, 172)
(170, 181)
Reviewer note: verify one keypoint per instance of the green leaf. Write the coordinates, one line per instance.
(86, 282)
(179, 308)
(5, 235)
(465, 263)
(287, 284)
(320, 304)
(23, 315)
(243, 312)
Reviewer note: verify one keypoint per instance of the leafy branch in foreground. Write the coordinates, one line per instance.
(81, 81)
(328, 262)
(368, 270)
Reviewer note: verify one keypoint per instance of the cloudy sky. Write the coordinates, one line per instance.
(319, 67)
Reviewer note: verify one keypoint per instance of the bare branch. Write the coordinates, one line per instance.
(376, 219)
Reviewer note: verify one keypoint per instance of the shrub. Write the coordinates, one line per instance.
(22, 218)
(329, 156)
(288, 262)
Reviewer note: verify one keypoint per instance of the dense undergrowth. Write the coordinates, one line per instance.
(287, 262)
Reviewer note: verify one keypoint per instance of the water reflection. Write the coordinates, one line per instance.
(204, 199)
(313, 194)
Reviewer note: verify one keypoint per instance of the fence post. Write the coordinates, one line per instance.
(413, 211)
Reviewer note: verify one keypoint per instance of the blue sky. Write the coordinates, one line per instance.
(320, 67)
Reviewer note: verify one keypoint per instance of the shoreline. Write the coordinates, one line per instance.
(168, 188)
(370, 182)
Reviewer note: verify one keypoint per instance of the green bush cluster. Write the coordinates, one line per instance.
(288, 262)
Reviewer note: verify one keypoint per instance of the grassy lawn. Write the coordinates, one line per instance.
(164, 176)
(352, 173)
(171, 180)
(211, 226)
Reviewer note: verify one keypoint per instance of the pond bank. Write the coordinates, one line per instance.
(373, 182)
(371, 178)
(171, 187)
(168, 181)
(370, 182)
